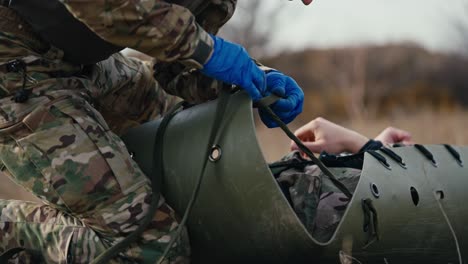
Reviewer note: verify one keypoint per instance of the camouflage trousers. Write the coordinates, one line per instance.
(66, 152)
(318, 203)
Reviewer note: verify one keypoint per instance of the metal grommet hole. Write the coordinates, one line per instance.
(375, 190)
(440, 195)
(414, 196)
(215, 153)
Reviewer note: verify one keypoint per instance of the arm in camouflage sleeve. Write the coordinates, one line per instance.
(164, 31)
(191, 85)
(185, 82)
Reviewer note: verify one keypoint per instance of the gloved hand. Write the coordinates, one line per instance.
(292, 100)
(232, 64)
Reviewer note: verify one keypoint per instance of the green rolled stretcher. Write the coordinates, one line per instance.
(241, 215)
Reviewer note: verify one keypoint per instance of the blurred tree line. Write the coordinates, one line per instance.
(363, 82)
(369, 82)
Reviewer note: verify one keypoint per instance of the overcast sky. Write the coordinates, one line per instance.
(328, 23)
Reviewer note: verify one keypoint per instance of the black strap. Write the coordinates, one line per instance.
(393, 155)
(7, 255)
(266, 101)
(426, 153)
(355, 161)
(220, 110)
(291, 164)
(263, 106)
(19, 66)
(379, 157)
(371, 222)
(454, 153)
(371, 145)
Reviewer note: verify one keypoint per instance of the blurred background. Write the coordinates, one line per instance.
(364, 64)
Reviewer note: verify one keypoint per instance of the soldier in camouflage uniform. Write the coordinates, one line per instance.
(63, 144)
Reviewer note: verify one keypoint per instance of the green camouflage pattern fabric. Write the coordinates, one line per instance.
(62, 145)
(180, 79)
(165, 31)
(161, 29)
(45, 229)
(318, 203)
(64, 153)
(172, 67)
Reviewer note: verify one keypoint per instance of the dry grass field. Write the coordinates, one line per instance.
(426, 127)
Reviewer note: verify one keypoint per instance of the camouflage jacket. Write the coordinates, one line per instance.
(19, 40)
(163, 30)
(173, 32)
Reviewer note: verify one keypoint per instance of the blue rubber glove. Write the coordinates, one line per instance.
(232, 64)
(292, 100)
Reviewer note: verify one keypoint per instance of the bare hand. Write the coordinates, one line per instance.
(392, 135)
(322, 135)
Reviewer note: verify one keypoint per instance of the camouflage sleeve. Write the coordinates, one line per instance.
(167, 32)
(188, 84)
(178, 79)
(126, 93)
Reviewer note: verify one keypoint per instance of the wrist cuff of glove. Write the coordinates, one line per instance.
(203, 50)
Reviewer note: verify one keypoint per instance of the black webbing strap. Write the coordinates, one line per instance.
(264, 105)
(426, 153)
(291, 164)
(220, 110)
(156, 181)
(10, 254)
(371, 222)
(379, 157)
(454, 154)
(393, 155)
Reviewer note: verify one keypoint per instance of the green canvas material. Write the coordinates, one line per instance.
(241, 215)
